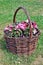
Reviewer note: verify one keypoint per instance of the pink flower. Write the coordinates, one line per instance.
(8, 28)
(34, 25)
(22, 26)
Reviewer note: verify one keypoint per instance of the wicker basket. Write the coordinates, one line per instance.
(22, 45)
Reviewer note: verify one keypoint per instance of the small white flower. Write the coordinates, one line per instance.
(27, 21)
(34, 31)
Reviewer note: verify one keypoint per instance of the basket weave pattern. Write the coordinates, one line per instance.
(21, 45)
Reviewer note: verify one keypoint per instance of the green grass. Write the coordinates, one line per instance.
(7, 8)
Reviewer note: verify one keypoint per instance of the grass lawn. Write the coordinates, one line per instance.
(7, 8)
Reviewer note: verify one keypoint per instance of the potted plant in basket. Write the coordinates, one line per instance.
(21, 38)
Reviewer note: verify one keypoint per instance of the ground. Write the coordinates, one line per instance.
(38, 61)
(35, 9)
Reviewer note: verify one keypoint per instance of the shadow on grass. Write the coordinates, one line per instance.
(2, 43)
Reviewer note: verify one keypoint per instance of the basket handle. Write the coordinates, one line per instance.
(25, 11)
